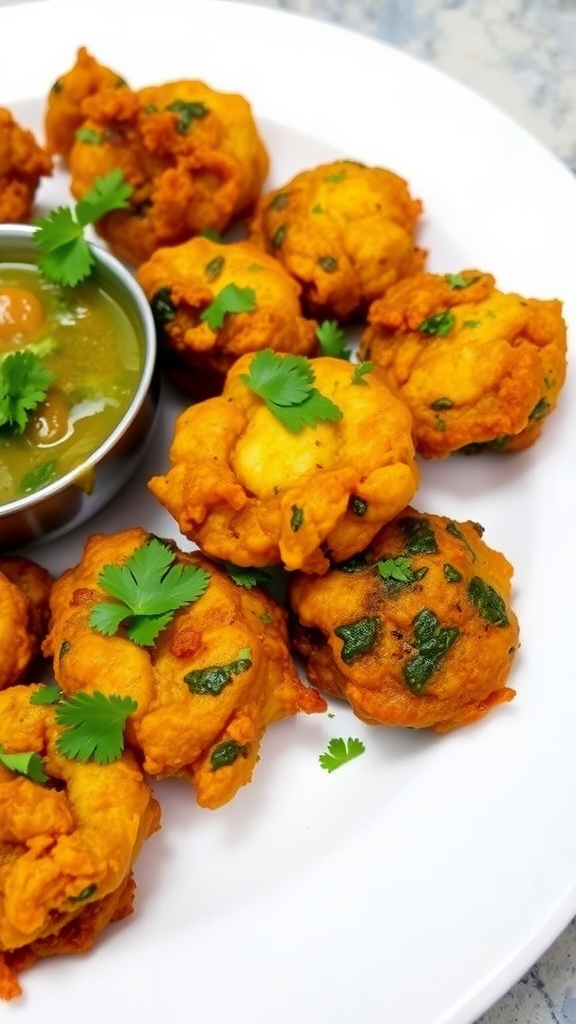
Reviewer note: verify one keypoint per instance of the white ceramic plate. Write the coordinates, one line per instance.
(414, 885)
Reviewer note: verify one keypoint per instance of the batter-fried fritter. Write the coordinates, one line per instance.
(182, 281)
(208, 687)
(344, 231)
(64, 116)
(23, 163)
(192, 155)
(417, 631)
(477, 367)
(24, 591)
(247, 489)
(67, 847)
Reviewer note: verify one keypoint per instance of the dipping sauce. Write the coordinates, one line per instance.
(93, 355)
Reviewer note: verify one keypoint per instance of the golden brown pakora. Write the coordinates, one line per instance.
(67, 845)
(209, 684)
(63, 116)
(213, 302)
(24, 591)
(478, 368)
(344, 231)
(247, 488)
(23, 163)
(417, 631)
(193, 156)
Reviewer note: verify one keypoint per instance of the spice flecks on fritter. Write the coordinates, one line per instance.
(247, 487)
(23, 163)
(417, 631)
(24, 591)
(193, 156)
(344, 231)
(67, 845)
(478, 368)
(64, 114)
(212, 303)
(216, 675)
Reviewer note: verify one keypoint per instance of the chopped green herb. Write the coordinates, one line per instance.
(440, 423)
(278, 236)
(439, 324)
(286, 385)
(358, 506)
(360, 371)
(339, 752)
(451, 573)
(90, 136)
(279, 202)
(442, 403)
(24, 383)
(356, 563)
(399, 570)
(432, 641)
(265, 618)
(187, 112)
(230, 300)
(296, 518)
(317, 208)
(163, 309)
(540, 410)
(85, 893)
(332, 340)
(64, 648)
(214, 267)
(48, 694)
(248, 578)
(358, 637)
(214, 678)
(148, 589)
(458, 281)
(470, 323)
(226, 753)
(211, 234)
(420, 539)
(328, 264)
(336, 178)
(27, 763)
(93, 726)
(455, 531)
(38, 477)
(487, 602)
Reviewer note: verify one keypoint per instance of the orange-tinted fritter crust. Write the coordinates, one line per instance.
(23, 163)
(67, 847)
(478, 368)
(424, 641)
(215, 678)
(246, 489)
(64, 116)
(182, 281)
(192, 155)
(344, 231)
(24, 591)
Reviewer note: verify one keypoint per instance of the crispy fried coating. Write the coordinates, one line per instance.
(67, 847)
(344, 231)
(63, 115)
(478, 368)
(193, 156)
(416, 632)
(23, 163)
(24, 591)
(215, 678)
(246, 489)
(183, 280)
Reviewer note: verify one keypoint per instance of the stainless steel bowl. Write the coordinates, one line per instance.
(65, 503)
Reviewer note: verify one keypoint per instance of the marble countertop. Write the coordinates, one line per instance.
(521, 55)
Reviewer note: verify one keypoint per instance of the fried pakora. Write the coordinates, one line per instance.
(417, 631)
(193, 157)
(344, 231)
(478, 368)
(23, 163)
(207, 687)
(24, 591)
(248, 488)
(63, 116)
(213, 302)
(67, 846)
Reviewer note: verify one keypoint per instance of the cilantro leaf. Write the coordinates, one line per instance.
(47, 694)
(286, 385)
(458, 281)
(230, 300)
(248, 577)
(339, 752)
(360, 371)
(94, 726)
(24, 382)
(332, 340)
(66, 257)
(148, 589)
(28, 763)
(398, 569)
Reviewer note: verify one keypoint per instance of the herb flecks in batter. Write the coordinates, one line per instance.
(358, 637)
(212, 679)
(225, 754)
(439, 324)
(432, 641)
(487, 602)
(420, 539)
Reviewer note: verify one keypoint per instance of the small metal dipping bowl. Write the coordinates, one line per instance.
(67, 502)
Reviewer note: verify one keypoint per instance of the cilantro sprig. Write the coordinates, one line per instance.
(24, 383)
(147, 590)
(66, 257)
(332, 340)
(339, 752)
(28, 763)
(231, 299)
(94, 726)
(286, 384)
